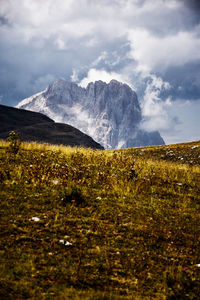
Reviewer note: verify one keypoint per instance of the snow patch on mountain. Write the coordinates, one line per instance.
(30, 99)
(109, 113)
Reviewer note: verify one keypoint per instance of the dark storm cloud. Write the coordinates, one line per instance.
(153, 45)
(193, 12)
(43, 41)
(193, 5)
(186, 80)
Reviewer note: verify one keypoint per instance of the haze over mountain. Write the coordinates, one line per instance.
(109, 113)
(33, 126)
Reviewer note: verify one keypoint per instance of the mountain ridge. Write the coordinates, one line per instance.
(34, 126)
(109, 113)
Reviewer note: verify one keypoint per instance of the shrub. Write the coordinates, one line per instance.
(74, 194)
(15, 142)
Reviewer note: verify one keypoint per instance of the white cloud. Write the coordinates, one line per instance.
(60, 44)
(74, 76)
(154, 109)
(64, 22)
(157, 53)
(103, 75)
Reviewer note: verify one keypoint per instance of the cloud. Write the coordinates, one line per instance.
(155, 53)
(64, 22)
(42, 81)
(95, 75)
(195, 6)
(74, 77)
(185, 80)
(154, 112)
(129, 40)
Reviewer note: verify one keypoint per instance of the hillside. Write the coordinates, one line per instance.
(33, 126)
(88, 224)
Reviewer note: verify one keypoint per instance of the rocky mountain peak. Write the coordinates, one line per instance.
(109, 113)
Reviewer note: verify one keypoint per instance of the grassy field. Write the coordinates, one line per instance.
(85, 224)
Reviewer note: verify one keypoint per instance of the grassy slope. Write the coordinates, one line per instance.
(132, 218)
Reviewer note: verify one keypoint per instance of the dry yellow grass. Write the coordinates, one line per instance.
(85, 224)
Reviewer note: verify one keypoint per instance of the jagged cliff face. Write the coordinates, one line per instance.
(109, 113)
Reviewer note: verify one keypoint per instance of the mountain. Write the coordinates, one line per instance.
(109, 113)
(33, 126)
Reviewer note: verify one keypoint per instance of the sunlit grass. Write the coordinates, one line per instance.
(86, 224)
(48, 147)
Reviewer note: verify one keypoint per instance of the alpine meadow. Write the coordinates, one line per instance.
(78, 223)
(100, 150)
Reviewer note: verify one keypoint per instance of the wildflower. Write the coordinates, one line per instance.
(66, 243)
(55, 181)
(36, 219)
(198, 265)
(179, 183)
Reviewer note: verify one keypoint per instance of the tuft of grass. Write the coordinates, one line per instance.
(87, 224)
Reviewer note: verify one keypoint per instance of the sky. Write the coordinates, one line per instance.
(152, 45)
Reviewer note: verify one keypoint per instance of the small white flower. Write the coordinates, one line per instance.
(66, 243)
(198, 265)
(55, 181)
(36, 219)
(179, 183)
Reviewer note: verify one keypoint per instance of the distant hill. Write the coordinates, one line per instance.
(33, 126)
